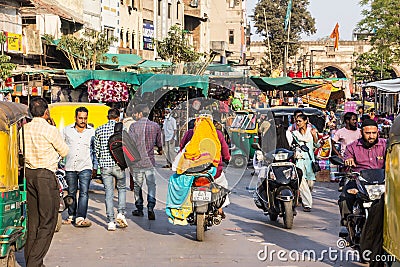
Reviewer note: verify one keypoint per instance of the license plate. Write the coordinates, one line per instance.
(201, 196)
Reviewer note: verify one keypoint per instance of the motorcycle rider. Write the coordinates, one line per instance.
(347, 134)
(368, 152)
(219, 177)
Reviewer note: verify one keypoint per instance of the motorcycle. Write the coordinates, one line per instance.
(370, 185)
(277, 192)
(207, 197)
(65, 199)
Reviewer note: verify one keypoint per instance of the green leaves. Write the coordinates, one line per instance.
(275, 13)
(85, 52)
(371, 66)
(381, 20)
(175, 47)
(6, 67)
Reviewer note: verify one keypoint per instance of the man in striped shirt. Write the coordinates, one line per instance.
(110, 170)
(43, 148)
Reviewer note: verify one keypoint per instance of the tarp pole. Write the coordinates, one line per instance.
(187, 110)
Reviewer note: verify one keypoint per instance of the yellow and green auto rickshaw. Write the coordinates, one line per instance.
(243, 132)
(13, 213)
(391, 226)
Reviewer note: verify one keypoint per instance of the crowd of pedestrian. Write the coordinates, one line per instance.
(84, 149)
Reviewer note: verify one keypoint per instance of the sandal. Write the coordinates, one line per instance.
(68, 220)
(82, 223)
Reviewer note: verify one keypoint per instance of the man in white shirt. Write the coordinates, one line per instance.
(170, 131)
(80, 166)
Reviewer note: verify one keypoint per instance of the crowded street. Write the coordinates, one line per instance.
(236, 241)
(199, 133)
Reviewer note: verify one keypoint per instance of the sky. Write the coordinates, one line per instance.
(326, 13)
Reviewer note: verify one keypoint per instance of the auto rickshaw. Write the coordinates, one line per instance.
(63, 113)
(315, 116)
(244, 132)
(13, 213)
(391, 228)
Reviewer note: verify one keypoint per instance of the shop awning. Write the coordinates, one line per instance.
(389, 86)
(53, 7)
(10, 113)
(77, 77)
(281, 83)
(121, 60)
(157, 81)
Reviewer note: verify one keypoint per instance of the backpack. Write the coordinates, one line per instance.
(122, 147)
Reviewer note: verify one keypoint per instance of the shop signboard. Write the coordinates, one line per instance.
(148, 35)
(319, 97)
(14, 42)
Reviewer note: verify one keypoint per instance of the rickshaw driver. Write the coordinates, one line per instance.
(43, 148)
(368, 152)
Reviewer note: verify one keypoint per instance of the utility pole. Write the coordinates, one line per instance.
(286, 53)
(269, 47)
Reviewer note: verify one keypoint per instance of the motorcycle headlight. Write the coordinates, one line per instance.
(375, 191)
(281, 156)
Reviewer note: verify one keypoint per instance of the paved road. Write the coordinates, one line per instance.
(237, 241)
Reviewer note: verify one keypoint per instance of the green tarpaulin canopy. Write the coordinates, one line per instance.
(77, 77)
(280, 83)
(121, 60)
(154, 64)
(220, 67)
(166, 80)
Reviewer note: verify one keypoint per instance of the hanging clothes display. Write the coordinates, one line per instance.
(107, 91)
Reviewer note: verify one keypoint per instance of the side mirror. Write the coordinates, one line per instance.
(256, 146)
(304, 148)
(336, 160)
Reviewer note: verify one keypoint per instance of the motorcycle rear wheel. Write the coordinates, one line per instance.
(288, 214)
(200, 226)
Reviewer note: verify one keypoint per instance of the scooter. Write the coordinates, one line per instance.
(277, 192)
(370, 185)
(207, 198)
(65, 199)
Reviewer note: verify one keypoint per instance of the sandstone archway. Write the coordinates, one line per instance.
(345, 73)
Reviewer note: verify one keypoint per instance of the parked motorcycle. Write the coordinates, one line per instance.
(370, 185)
(207, 198)
(277, 191)
(65, 199)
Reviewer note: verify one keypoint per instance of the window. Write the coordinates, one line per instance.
(121, 38)
(109, 32)
(28, 20)
(127, 39)
(178, 5)
(169, 10)
(159, 7)
(133, 40)
(231, 37)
